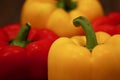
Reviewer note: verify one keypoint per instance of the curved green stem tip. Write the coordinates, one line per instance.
(91, 40)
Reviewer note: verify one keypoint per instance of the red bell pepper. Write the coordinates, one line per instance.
(108, 23)
(12, 29)
(3, 38)
(38, 52)
(13, 61)
(25, 57)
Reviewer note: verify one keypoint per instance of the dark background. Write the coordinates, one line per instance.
(10, 9)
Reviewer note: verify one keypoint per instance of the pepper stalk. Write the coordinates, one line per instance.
(22, 36)
(67, 5)
(91, 40)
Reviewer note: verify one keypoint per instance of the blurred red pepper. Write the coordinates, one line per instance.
(38, 52)
(12, 29)
(3, 38)
(108, 23)
(13, 60)
(13, 63)
(21, 56)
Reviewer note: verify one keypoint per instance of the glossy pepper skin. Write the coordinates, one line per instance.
(108, 23)
(25, 57)
(57, 15)
(38, 52)
(95, 56)
(14, 61)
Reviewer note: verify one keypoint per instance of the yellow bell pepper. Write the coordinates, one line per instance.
(90, 57)
(57, 15)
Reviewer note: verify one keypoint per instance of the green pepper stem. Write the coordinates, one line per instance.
(23, 33)
(91, 40)
(67, 5)
(22, 36)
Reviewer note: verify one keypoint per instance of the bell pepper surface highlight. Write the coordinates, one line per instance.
(25, 57)
(95, 56)
(109, 23)
(57, 15)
